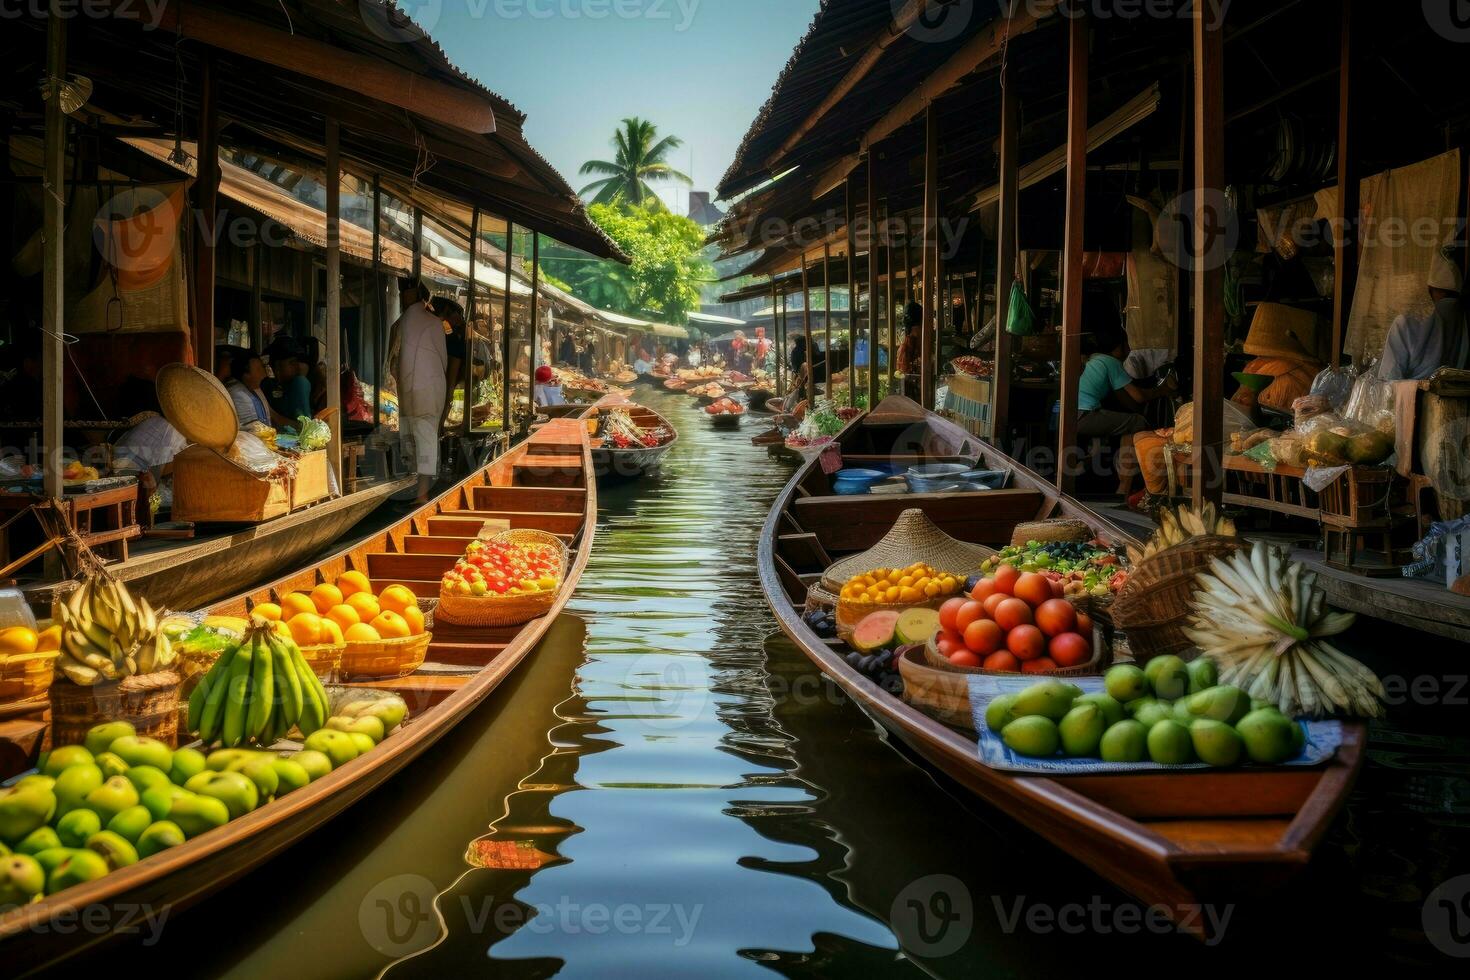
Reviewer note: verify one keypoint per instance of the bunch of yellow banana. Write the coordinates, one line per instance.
(107, 634)
(1265, 623)
(258, 691)
(1178, 526)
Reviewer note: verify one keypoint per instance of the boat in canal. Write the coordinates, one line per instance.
(613, 462)
(1177, 840)
(545, 484)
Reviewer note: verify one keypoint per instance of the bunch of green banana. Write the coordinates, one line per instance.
(256, 692)
(1179, 526)
(107, 634)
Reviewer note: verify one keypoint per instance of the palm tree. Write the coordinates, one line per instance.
(639, 160)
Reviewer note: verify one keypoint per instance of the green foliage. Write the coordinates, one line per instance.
(641, 157)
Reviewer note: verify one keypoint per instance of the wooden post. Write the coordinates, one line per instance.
(806, 326)
(1209, 276)
(206, 203)
(418, 244)
(1005, 257)
(334, 297)
(827, 317)
(469, 326)
(535, 324)
(776, 333)
(1072, 249)
(53, 293)
(852, 298)
(380, 354)
(507, 367)
(930, 251)
(785, 343)
(257, 297)
(872, 281)
(1349, 190)
(888, 296)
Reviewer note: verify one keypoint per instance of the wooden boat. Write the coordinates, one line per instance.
(726, 420)
(1175, 840)
(190, 574)
(545, 484)
(612, 463)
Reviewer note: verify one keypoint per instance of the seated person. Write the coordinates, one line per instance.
(1108, 400)
(248, 375)
(548, 391)
(291, 397)
(1417, 346)
(147, 451)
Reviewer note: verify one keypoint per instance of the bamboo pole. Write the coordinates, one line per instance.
(1005, 257)
(852, 297)
(1072, 249)
(206, 201)
(380, 304)
(53, 293)
(776, 333)
(507, 367)
(334, 297)
(806, 326)
(1349, 190)
(1209, 312)
(872, 282)
(930, 254)
(469, 330)
(827, 318)
(535, 323)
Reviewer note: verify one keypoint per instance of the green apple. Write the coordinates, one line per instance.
(51, 858)
(262, 773)
(220, 759)
(145, 778)
(138, 750)
(159, 799)
(113, 797)
(115, 849)
(23, 810)
(159, 836)
(57, 760)
(79, 867)
(390, 710)
(111, 765)
(364, 743)
(187, 762)
(195, 814)
(100, 737)
(21, 879)
(36, 781)
(289, 776)
(38, 840)
(77, 826)
(316, 764)
(370, 726)
(336, 746)
(73, 785)
(131, 822)
(233, 789)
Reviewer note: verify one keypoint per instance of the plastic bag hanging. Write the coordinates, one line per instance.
(1020, 317)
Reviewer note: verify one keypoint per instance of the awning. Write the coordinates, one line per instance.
(670, 332)
(714, 320)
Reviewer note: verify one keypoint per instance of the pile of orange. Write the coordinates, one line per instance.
(347, 612)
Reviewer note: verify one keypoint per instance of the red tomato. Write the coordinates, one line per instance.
(984, 637)
(984, 589)
(1003, 660)
(944, 645)
(1005, 579)
(968, 613)
(1070, 649)
(1011, 613)
(1033, 588)
(1056, 616)
(964, 658)
(993, 603)
(1058, 590)
(947, 614)
(1026, 642)
(1084, 624)
(1041, 665)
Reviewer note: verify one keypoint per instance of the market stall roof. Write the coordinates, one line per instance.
(407, 114)
(715, 320)
(669, 331)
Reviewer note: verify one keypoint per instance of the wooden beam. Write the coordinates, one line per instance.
(852, 296)
(1209, 276)
(1073, 248)
(785, 342)
(380, 304)
(535, 322)
(469, 319)
(806, 326)
(872, 281)
(827, 317)
(507, 363)
(1005, 257)
(1349, 189)
(929, 256)
(776, 333)
(980, 49)
(334, 295)
(418, 242)
(53, 288)
(206, 205)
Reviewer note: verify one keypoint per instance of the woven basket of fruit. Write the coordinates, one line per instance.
(509, 580)
(150, 702)
(1154, 606)
(1101, 660)
(1063, 529)
(914, 539)
(397, 657)
(943, 695)
(325, 659)
(25, 679)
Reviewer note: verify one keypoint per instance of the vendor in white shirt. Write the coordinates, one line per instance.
(147, 451)
(1419, 345)
(548, 389)
(423, 360)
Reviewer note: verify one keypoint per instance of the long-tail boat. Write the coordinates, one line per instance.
(1172, 839)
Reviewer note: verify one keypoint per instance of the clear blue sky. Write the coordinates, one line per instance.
(699, 69)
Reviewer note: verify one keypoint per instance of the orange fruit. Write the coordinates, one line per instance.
(344, 615)
(361, 633)
(332, 633)
(390, 625)
(396, 598)
(18, 639)
(326, 596)
(415, 619)
(365, 604)
(351, 583)
(49, 640)
(283, 630)
(306, 629)
(267, 610)
(296, 603)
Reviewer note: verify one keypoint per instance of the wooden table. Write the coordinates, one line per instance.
(105, 520)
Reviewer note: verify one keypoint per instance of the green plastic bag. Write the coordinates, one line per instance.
(1020, 318)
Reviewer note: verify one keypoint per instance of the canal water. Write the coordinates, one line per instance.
(666, 788)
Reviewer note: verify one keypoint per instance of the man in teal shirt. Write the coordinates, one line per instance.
(292, 397)
(1107, 396)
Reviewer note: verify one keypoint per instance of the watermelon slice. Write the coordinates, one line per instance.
(874, 631)
(917, 625)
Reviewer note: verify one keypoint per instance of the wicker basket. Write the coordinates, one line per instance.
(505, 610)
(914, 538)
(1063, 529)
(149, 701)
(1102, 658)
(1153, 607)
(324, 659)
(26, 676)
(397, 657)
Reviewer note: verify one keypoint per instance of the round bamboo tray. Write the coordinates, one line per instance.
(1101, 660)
(25, 677)
(1153, 607)
(149, 701)
(397, 657)
(1062, 529)
(941, 694)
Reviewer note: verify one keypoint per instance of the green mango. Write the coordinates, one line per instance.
(1127, 741)
(1125, 683)
(111, 764)
(35, 781)
(290, 776)
(998, 712)
(1112, 709)
(1220, 703)
(1049, 699)
(23, 810)
(1151, 714)
(262, 772)
(131, 823)
(160, 836)
(58, 760)
(1168, 676)
(73, 785)
(21, 879)
(99, 738)
(80, 866)
(233, 789)
(145, 778)
(195, 814)
(1169, 743)
(1181, 712)
(336, 746)
(316, 764)
(1032, 735)
(75, 827)
(368, 725)
(115, 849)
(1203, 674)
(220, 759)
(160, 799)
(1082, 730)
(1216, 743)
(1268, 736)
(38, 840)
(139, 750)
(187, 762)
(112, 797)
(51, 858)
(364, 743)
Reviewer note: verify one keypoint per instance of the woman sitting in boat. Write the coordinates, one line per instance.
(548, 389)
(251, 407)
(147, 451)
(1108, 400)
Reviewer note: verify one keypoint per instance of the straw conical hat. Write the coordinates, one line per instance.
(197, 404)
(1282, 331)
(914, 538)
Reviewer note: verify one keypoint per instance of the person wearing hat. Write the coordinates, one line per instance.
(422, 376)
(1417, 346)
(548, 390)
